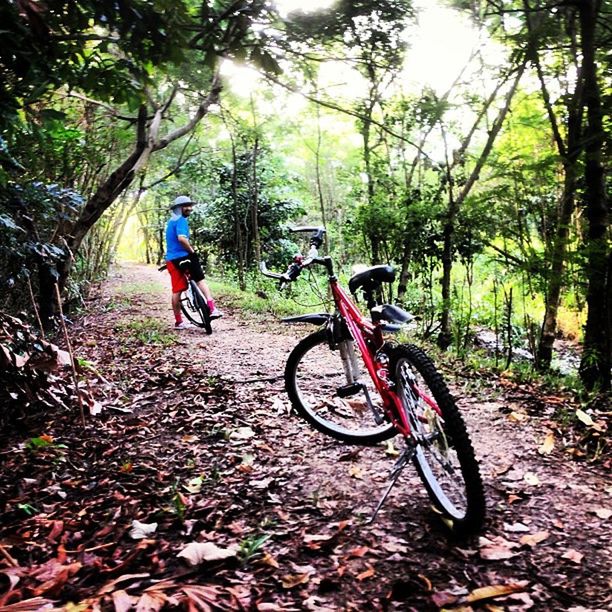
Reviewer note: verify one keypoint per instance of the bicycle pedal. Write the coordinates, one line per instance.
(350, 389)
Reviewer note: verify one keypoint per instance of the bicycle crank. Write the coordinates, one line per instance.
(400, 464)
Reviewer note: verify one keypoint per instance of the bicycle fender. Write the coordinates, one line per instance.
(319, 318)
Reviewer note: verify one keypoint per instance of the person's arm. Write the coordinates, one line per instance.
(185, 243)
(182, 231)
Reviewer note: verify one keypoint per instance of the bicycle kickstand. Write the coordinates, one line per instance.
(400, 464)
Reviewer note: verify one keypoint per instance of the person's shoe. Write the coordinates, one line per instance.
(216, 313)
(181, 325)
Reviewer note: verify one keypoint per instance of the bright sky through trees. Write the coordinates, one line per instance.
(440, 44)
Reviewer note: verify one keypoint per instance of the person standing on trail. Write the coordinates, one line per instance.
(180, 256)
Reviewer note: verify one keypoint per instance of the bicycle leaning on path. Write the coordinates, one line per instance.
(193, 303)
(400, 393)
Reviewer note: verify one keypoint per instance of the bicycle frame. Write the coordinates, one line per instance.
(369, 339)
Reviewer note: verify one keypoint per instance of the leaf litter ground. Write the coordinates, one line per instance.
(242, 506)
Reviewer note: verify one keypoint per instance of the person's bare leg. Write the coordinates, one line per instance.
(176, 306)
(205, 290)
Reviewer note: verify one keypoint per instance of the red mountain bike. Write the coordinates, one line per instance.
(400, 393)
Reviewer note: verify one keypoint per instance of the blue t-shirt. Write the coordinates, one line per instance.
(174, 229)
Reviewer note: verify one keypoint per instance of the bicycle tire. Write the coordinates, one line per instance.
(203, 308)
(313, 375)
(195, 308)
(444, 457)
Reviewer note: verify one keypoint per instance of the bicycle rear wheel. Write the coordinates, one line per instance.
(316, 374)
(444, 456)
(195, 308)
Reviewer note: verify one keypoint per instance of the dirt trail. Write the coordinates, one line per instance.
(214, 406)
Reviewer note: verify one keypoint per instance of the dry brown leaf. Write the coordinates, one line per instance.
(355, 472)
(268, 559)
(496, 549)
(29, 605)
(107, 588)
(518, 417)
(291, 581)
(573, 555)
(442, 599)
(603, 513)
(198, 552)
(582, 416)
(204, 597)
(531, 479)
(548, 444)
(123, 601)
(151, 602)
(366, 574)
(426, 581)
(533, 539)
(496, 590)
(357, 552)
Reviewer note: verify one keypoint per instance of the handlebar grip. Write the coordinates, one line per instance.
(317, 238)
(293, 271)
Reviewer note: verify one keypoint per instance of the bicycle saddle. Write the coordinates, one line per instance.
(372, 278)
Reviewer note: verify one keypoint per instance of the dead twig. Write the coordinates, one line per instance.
(69, 349)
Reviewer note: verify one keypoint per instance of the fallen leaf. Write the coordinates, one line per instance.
(123, 601)
(497, 590)
(391, 450)
(534, 539)
(582, 416)
(194, 485)
(442, 599)
(242, 433)
(573, 555)
(357, 552)
(198, 552)
(140, 530)
(268, 559)
(355, 472)
(603, 513)
(291, 581)
(531, 479)
(516, 527)
(314, 542)
(548, 444)
(518, 417)
(426, 581)
(366, 574)
(151, 602)
(496, 549)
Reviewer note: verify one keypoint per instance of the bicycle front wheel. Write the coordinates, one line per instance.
(195, 308)
(326, 390)
(444, 456)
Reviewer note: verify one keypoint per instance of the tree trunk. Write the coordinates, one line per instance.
(255, 207)
(569, 154)
(454, 206)
(147, 142)
(597, 358)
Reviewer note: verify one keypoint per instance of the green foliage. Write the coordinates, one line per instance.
(229, 218)
(250, 548)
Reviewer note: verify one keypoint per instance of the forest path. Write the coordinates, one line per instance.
(197, 436)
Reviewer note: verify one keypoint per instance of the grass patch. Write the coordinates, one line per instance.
(271, 301)
(148, 331)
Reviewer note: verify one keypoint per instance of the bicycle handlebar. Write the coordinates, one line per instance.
(299, 261)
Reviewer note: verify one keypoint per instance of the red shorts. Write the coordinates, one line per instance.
(177, 278)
